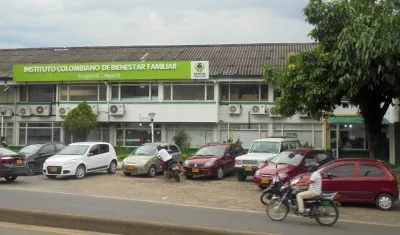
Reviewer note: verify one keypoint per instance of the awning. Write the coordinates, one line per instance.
(351, 120)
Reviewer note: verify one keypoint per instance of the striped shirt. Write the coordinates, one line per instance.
(316, 185)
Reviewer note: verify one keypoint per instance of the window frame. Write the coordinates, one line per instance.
(259, 89)
(370, 165)
(329, 170)
(60, 89)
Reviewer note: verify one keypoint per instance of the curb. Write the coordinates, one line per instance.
(103, 225)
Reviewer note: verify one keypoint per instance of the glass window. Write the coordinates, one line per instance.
(106, 135)
(83, 93)
(352, 136)
(154, 92)
(137, 93)
(305, 137)
(167, 92)
(39, 135)
(22, 136)
(33, 148)
(224, 91)
(173, 148)
(104, 148)
(7, 96)
(284, 146)
(95, 135)
(245, 92)
(56, 134)
(346, 170)
(48, 149)
(365, 170)
(9, 135)
(59, 147)
(317, 139)
(210, 92)
(188, 92)
(102, 93)
(264, 147)
(290, 158)
(292, 145)
(94, 149)
(38, 93)
(211, 151)
(63, 93)
(115, 93)
(264, 92)
(74, 150)
(145, 150)
(277, 93)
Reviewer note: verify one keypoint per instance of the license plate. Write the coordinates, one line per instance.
(53, 169)
(131, 167)
(19, 161)
(264, 181)
(248, 168)
(195, 170)
(326, 203)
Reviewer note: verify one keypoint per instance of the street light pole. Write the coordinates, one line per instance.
(152, 115)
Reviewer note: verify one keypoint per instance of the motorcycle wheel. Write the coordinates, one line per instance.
(177, 176)
(320, 210)
(272, 208)
(264, 198)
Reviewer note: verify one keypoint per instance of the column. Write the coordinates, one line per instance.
(392, 144)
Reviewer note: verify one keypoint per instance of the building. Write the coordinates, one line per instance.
(225, 93)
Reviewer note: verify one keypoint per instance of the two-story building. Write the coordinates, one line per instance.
(207, 90)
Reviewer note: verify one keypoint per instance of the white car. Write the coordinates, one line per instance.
(77, 159)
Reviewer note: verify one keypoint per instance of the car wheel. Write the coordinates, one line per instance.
(80, 172)
(127, 173)
(241, 177)
(220, 173)
(31, 169)
(11, 178)
(384, 202)
(152, 171)
(189, 177)
(112, 168)
(51, 176)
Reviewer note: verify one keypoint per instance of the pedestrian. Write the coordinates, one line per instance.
(4, 142)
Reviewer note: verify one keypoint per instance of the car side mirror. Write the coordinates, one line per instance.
(90, 154)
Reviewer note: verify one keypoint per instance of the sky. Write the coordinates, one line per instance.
(65, 23)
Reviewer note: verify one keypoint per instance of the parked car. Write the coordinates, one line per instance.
(290, 163)
(77, 159)
(143, 160)
(36, 154)
(359, 180)
(261, 151)
(12, 164)
(213, 160)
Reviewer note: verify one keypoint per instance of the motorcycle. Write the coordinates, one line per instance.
(273, 190)
(174, 169)
(315, 208)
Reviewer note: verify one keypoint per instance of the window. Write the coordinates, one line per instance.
(264, 147)
(290, 158)
(83, 93)
(59, 147)
(115, 92)
(38, 93)
(244, 92)
(94, 149)
(292, 145)
(135, 134)
(370, 171)
(277, 93)
(173, 148)
(104, 148)
(210, 92)
(99, 134)
(154, 92)
(264, 92)
(224, 91)
(310, 158)
(136, 93)
(7, 96)
(237, 149)
(346, 170)
(284, 146)
(8, 132)
(48, 149)
(167, 92)
(38, 133)
(188, 92)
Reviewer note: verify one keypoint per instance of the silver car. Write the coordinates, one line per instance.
(143, 160)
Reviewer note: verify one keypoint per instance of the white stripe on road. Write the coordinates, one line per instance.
(183, 205)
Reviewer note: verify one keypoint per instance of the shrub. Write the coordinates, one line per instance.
(80, 121)
(182, 139)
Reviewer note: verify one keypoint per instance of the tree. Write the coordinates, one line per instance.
(357, 56)
(80, 121)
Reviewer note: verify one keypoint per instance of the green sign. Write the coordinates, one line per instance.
(149, 70)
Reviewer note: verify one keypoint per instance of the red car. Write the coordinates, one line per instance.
(213, 160)
(290, 164)
(360, 180)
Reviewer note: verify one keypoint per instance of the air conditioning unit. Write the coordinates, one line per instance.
(235, 109)
(25, 111)
(8, 111)
(95, 109)
(273, 112)
(63, 110)
(42, 110)
(117, 110)
(259, 110)
(303, 114)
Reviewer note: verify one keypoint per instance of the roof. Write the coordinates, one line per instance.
(359, 160)
(351, 120)
(225, 59)
(88, 143)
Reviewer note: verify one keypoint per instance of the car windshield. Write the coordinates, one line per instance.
(264, 147)
(5, 152)
(211, 151)
(288, 158)
(30, 148)
(74, 150)
(145, 150)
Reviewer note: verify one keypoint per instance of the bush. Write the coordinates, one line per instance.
(182, 139)
(80, 121)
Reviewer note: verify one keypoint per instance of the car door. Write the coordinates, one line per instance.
(227, 158)
(339, 178)
(368, 180)
(236, 151)
(47, 151)
(93, 161)
(175, 152)
(104, 156)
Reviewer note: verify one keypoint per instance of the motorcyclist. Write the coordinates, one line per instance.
(314, 189)
(166, 157)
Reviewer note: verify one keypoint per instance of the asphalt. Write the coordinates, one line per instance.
(175, 214)
(8, 231)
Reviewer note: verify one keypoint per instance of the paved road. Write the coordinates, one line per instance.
(19, 229)
(195, 216)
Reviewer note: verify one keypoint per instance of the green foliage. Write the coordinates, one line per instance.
(80, 121)
(307, 145)
(182, 139)
(357, 57)
(120, 143)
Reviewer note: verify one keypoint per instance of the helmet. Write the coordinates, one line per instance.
(312, 166)
(159, 147)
